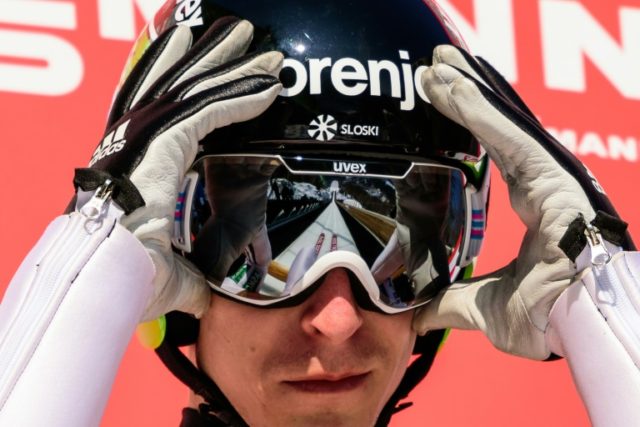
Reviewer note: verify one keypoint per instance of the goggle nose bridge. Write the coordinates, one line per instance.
(358, 289)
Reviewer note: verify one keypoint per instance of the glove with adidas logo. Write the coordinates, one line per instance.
(175, 95)
(553, 193)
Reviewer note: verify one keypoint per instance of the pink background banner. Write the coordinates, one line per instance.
(576, 63)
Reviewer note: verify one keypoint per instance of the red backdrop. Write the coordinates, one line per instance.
(575, 62)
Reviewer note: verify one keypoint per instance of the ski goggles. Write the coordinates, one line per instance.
(265, 230)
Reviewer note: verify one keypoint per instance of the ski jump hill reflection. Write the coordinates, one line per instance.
(328, 227)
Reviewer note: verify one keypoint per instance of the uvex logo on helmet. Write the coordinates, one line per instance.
(351, 77)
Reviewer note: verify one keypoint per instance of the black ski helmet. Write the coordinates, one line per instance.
(351, 76)
(352, 89)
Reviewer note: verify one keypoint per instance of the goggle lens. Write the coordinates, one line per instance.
(260, 230)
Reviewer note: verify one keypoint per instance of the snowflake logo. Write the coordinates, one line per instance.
(323, 128)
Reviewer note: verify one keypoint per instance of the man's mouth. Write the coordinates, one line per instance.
(329, 383)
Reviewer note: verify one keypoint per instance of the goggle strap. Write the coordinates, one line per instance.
(478, 225)
(181, 226)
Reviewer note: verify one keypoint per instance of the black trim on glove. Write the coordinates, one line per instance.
(574, 240)
(131, 86)
(218, 31)
(495, 80)
(125, 194)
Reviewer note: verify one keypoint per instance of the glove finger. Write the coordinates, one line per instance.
(235, 101)
(437, 86)
(181, 125)
(174, 135)
(177, 47)
(227, 39)
(458, 58)
(184, 290)
(454, 307)
(157, 59)
(233, 42)
(482, 71)
(528, 158)
(268, 63)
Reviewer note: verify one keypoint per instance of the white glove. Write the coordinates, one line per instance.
(548, 188)
(173, 98)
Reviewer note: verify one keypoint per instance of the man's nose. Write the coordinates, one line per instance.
(332, 312)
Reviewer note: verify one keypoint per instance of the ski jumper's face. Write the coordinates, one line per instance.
(323, 362)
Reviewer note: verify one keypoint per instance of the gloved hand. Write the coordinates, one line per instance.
(175, 95)
(551, 191)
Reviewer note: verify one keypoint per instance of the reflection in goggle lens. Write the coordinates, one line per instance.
(257, 227)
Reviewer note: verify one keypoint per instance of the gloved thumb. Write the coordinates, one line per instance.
(454, 307)
(485, 303)
(186, 291)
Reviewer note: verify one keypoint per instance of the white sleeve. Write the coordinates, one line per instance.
(66, 320)
(595, 325)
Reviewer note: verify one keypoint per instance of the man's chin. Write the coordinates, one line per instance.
(320, 402)
(327, 417)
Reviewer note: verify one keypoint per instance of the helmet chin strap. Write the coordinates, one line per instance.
(217, 405)
(218, 408)
(427, 348)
